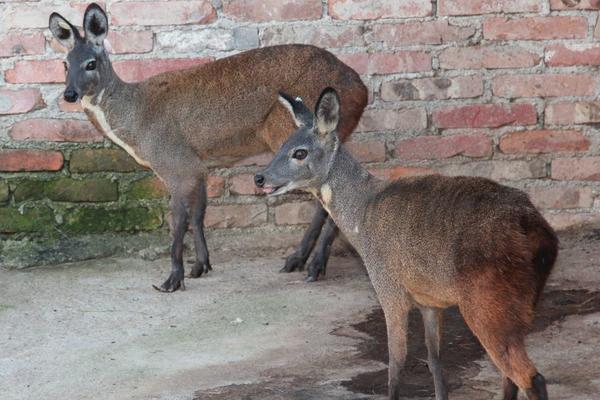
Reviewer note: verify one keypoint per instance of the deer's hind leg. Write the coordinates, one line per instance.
(432, 320)
(198, 202)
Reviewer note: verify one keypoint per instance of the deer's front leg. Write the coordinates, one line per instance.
(298, 258)
(198, 209)
(318, 264)
(178, 229)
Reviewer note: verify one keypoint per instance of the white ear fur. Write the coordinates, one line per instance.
(327, 114)
(64, 32)
(290, 108)
(107, 45)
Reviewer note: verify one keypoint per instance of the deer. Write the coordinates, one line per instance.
(428, 242)
(181, 123)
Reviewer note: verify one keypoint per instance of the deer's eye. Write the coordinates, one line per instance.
(90, 66)
(300, 154)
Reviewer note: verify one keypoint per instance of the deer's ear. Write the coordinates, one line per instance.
(95, 24)
(301, 114)
(63, 30)
(327, 111)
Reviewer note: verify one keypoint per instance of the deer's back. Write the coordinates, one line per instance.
(435, 233)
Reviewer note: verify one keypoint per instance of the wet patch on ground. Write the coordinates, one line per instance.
(460, 348)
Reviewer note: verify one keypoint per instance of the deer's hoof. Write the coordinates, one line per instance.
(172, 284)
(199, 268)
(293, 262)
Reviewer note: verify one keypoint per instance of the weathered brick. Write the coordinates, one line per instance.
(400, 171)
(150, 187)
(569, 220)
(498, 170)
(574, 4)
(371, 151)
(580, 112)
(597, 30)
(388, 63)
(273, 10)
(243, 184)
(576, 169)
(18, 44)
(69, 107)
(432, 88)
(543, 141)
(215, 185)
(30, 160)
(473, 7)
(36, 71)
(376, 9)
(138, 70)
(27, 219)
(492, 57)
(55, 130)
(426, 32)
(484, 115)
(439, 147)
(20, 101)
(558, 197)
(130, 41)
(4, 192)
(67, 189)
(214, 38)
(373, 119)
(235, 215)
(328, 36)
(561, 55)
(35, 15)
(96, 160)
(162, 12)
(294, 213)
(535, 28)
(544, 85)
(126, 219)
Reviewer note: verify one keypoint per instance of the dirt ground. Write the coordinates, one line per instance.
(97, 330)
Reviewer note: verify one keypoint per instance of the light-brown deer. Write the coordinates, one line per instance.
(430, 242)
(181, 123)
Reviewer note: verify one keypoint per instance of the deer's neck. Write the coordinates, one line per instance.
(346, 193)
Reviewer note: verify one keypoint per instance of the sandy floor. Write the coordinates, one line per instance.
(97, 330)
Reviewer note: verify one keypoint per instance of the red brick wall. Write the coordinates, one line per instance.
(506, 89)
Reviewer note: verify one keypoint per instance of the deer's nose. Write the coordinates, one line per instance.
(259, 180)
(70, 96)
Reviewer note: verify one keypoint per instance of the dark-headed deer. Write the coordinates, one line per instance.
(430, 242)
(180, 123)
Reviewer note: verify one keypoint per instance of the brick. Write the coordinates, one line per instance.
(215, 186)
(498, 170)
(150, 187)
(243, 184)
(570, 220)
(557, 197)
(484, 115)
(130, 41)
(35, 15)
(543, 141)
(4, 192)
(474, 7)
(20, 101)
(55, 130)
(597, 30)
(126, 219)
(27, 219)
(574, 4)
(328, 36)
(273, 10)
(36, 71)
(216, 39)
(371, 151)
(576, 169)
(492, 57)
(535, 28)
(573, 113)
(259, 160)
(561, 55)
(30, 160)
(414, 119)
(67, 189)
(432, 88)
(68, 107)
(235, 216)
(398, 172)
(162, 12)
(294, 213)
(376, 9)
(97, 160)
(138, 70)
(544, 85)
(440, 147)
(388, 63)
(19, 44)
(427, 32)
